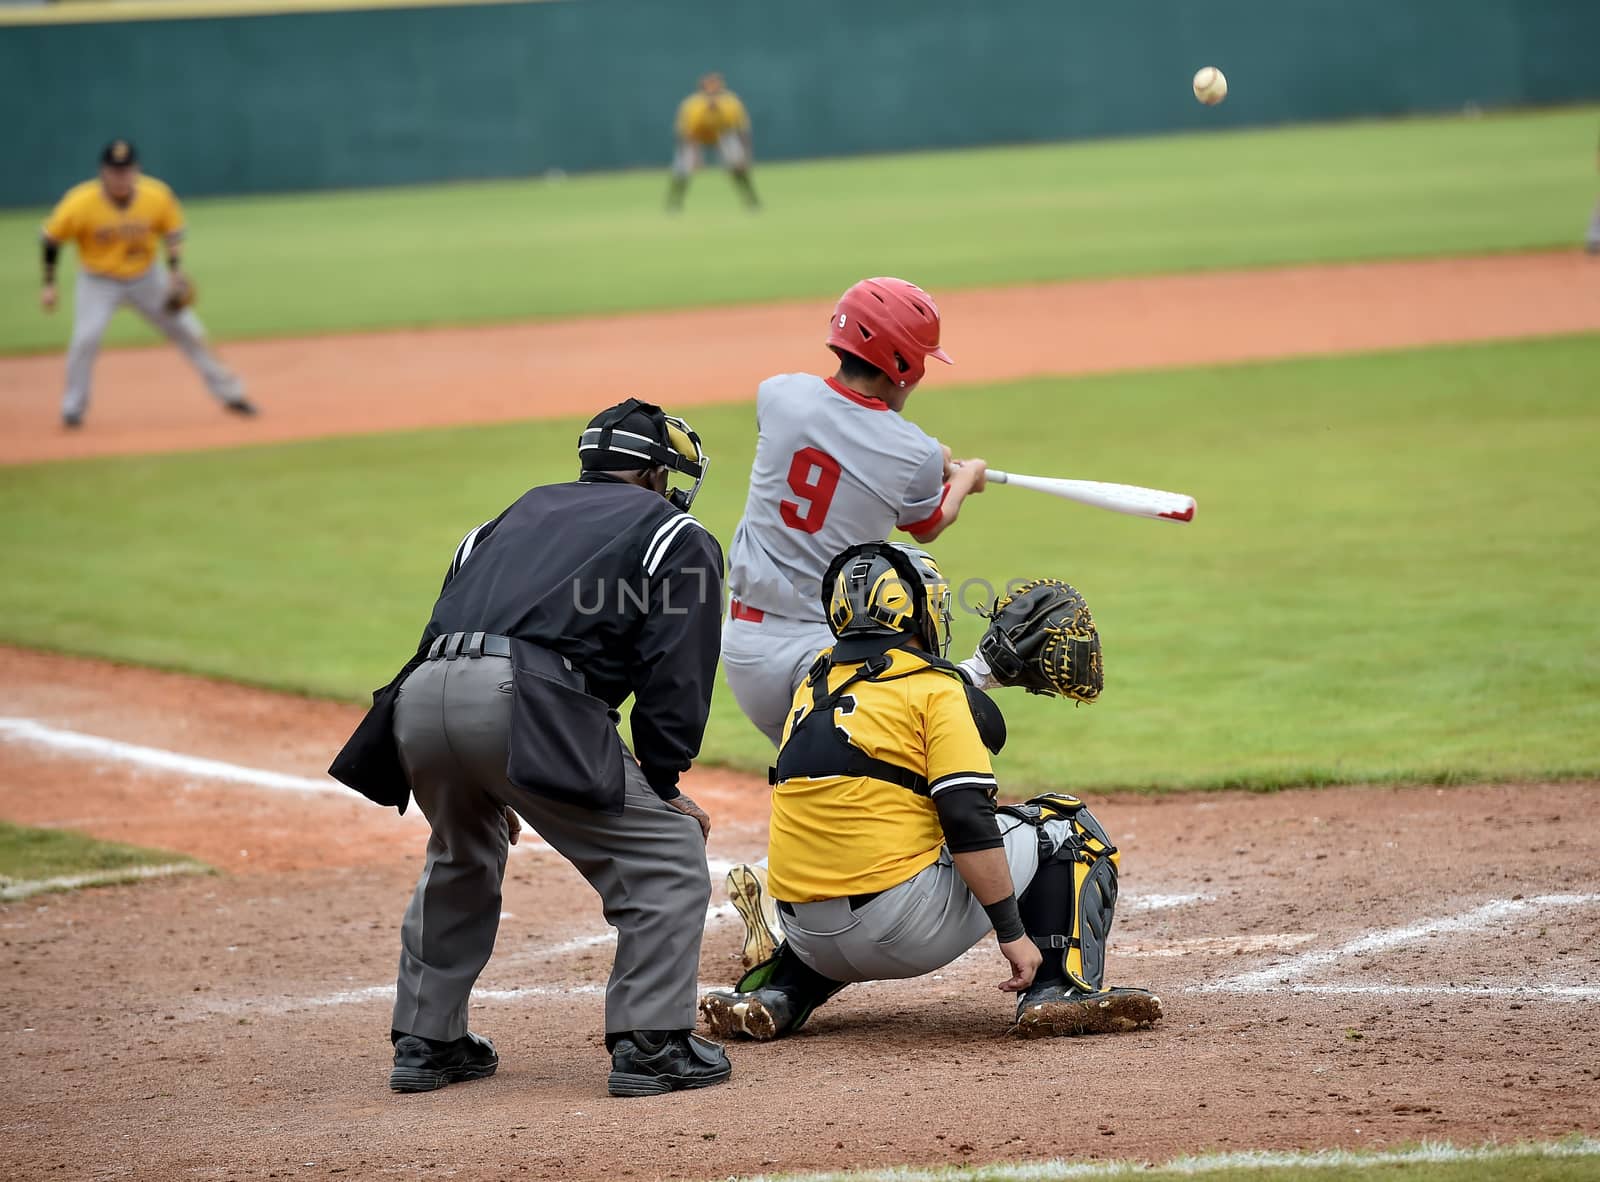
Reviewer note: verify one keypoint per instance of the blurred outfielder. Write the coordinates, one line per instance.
(712, 117)
(1592, 242)
(116, 221)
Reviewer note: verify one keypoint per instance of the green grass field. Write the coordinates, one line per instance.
(1571, 1160)
(509, 250)
(1390, 576)
(31, 858)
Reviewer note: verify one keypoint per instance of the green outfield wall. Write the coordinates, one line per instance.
(310, 100)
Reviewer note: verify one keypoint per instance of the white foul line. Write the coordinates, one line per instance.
(1276, 977)
(36, 734)
(14, 889)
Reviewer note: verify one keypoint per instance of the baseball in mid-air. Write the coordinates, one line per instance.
(1210, 87)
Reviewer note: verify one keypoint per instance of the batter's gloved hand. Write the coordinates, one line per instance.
(1042, 637)
(180, 293)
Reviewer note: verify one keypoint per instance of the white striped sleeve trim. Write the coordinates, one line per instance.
(464, 550)
(661, 541)
(962, 780)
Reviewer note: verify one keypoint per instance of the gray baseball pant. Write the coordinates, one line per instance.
(98, 297)
(1593, 240)
(914, 928)
(452, 722)
(766, 661)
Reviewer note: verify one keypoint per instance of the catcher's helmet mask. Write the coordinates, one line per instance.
(607, 446)
(879, 616)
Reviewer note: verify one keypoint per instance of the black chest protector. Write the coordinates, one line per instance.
(818, 748)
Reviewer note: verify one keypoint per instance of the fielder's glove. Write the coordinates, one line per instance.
(1042, 638)
(180, 293)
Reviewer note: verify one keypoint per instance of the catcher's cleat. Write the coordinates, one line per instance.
(747, 889)
(1048, 1011)
(762, 1015)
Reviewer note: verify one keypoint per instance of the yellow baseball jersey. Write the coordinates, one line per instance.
(852, 834)
(117, 241)
(704, 118)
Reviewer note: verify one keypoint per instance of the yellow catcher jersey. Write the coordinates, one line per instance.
(705, 117)
(840, 835)
(116, 241)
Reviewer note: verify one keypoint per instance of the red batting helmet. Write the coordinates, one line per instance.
(891, 324)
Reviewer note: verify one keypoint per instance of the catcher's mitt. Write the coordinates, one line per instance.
(180, 293)
(1042, 638)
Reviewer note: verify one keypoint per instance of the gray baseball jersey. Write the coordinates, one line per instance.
(832, 468)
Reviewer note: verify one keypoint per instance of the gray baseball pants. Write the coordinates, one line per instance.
(98, 297)
(1593, 239)
(766, 661)
(914, 928)
(452, 721)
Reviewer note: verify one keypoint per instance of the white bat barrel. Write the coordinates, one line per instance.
(1118, 498)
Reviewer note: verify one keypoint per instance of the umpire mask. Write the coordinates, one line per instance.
(635, 435)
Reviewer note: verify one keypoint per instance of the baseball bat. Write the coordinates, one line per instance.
(1119, 498)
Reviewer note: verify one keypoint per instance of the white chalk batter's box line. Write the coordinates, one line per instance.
(1283, 978)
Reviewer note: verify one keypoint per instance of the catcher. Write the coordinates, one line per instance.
(888, 857)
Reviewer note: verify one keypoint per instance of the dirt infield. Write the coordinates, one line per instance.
(1340, 968)
(147, 401)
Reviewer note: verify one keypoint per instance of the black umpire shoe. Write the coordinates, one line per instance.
(242, 407)
(1046, 1011)
(427, 1064)
(652, 1062)
(71, 422)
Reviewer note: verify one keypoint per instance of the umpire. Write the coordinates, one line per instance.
(551, 615)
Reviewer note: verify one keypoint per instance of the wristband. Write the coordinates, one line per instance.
(1006, 920)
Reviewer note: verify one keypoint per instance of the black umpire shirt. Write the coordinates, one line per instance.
(609, 575)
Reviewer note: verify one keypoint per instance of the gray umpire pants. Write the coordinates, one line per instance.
(99, 296)
(914, 928)
(452, 720)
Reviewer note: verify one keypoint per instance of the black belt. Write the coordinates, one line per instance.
(857, 902)
(469, 644)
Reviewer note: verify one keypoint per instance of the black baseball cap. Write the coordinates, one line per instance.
(119, 154)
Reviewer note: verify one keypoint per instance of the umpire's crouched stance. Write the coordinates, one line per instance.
(551, 615)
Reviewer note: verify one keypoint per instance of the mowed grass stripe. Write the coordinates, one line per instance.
(1559, 1161)
(36, 861)
(511, 250)
(1389, 579)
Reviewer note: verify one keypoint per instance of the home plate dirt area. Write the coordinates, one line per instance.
(1351, 967)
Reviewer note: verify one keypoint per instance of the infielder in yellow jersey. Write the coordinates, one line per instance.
(888, 856)
(712, 117)
(117, 221)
